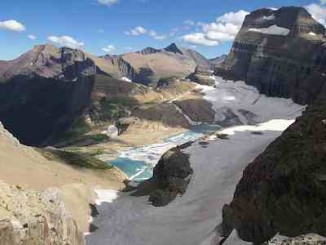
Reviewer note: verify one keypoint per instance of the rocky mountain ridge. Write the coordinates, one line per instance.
(281, 52)
(68, 64)
(49, 62)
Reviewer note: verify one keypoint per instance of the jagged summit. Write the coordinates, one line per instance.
(174, 49)
(146, 66)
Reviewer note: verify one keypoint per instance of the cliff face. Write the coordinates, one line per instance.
(36, 108)
(33, 218)
(121, 67)
(281, 52)
(283, 190)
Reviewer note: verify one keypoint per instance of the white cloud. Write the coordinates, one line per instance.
(109, 48)
(66, 41)
(224, 29)
(32, 37)
(189, 22)
(12, 25)
(139, 30)
(108, 2)
(156, 36)
(235, 18)
(199, 39)
(318, 12)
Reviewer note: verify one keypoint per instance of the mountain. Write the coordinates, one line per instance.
(45, 90)
(145, 67)
(218, 60)
(281, 52)
(282, 191)
(151, 65)
(48, 61)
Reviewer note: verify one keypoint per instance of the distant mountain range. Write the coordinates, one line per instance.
(146, 66)
(45, 90)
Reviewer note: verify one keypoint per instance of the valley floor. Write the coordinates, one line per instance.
(217, 164)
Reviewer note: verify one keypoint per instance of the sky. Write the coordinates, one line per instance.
(120, 26)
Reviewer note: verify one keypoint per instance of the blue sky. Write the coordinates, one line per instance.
(118, 26)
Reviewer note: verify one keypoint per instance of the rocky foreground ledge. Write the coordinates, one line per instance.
(283, 190)
(34, 218)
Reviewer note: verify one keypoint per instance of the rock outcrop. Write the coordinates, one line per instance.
(172, 175)
(37, 108)
(281, 52)
(203, 76)
(283, 190)
(33, 218)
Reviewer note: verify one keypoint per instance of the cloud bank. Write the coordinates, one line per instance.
(224, 29)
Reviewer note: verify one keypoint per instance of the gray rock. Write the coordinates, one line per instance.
(171, 177)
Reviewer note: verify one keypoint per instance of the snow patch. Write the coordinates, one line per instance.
(238, 97)
(126, 79)
(272, 30)
(112, 131)
(271, 17)
(105, 196)
(234, 239)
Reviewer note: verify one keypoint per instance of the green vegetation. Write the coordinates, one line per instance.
(79, 127)
(111, 109)
(77, 159)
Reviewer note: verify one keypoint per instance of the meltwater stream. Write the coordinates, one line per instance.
(138, 162)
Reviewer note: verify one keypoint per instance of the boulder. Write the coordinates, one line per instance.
(171, 177)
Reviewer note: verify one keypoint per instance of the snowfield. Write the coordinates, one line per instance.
(272, 30)
(192, 218)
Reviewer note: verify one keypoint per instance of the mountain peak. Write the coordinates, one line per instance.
(174, 49)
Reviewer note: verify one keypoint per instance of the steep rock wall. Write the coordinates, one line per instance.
(281, 52)
(283, 190)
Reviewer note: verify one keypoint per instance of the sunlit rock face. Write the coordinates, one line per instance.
(281, 52)
(49, 61)
(32, 218)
